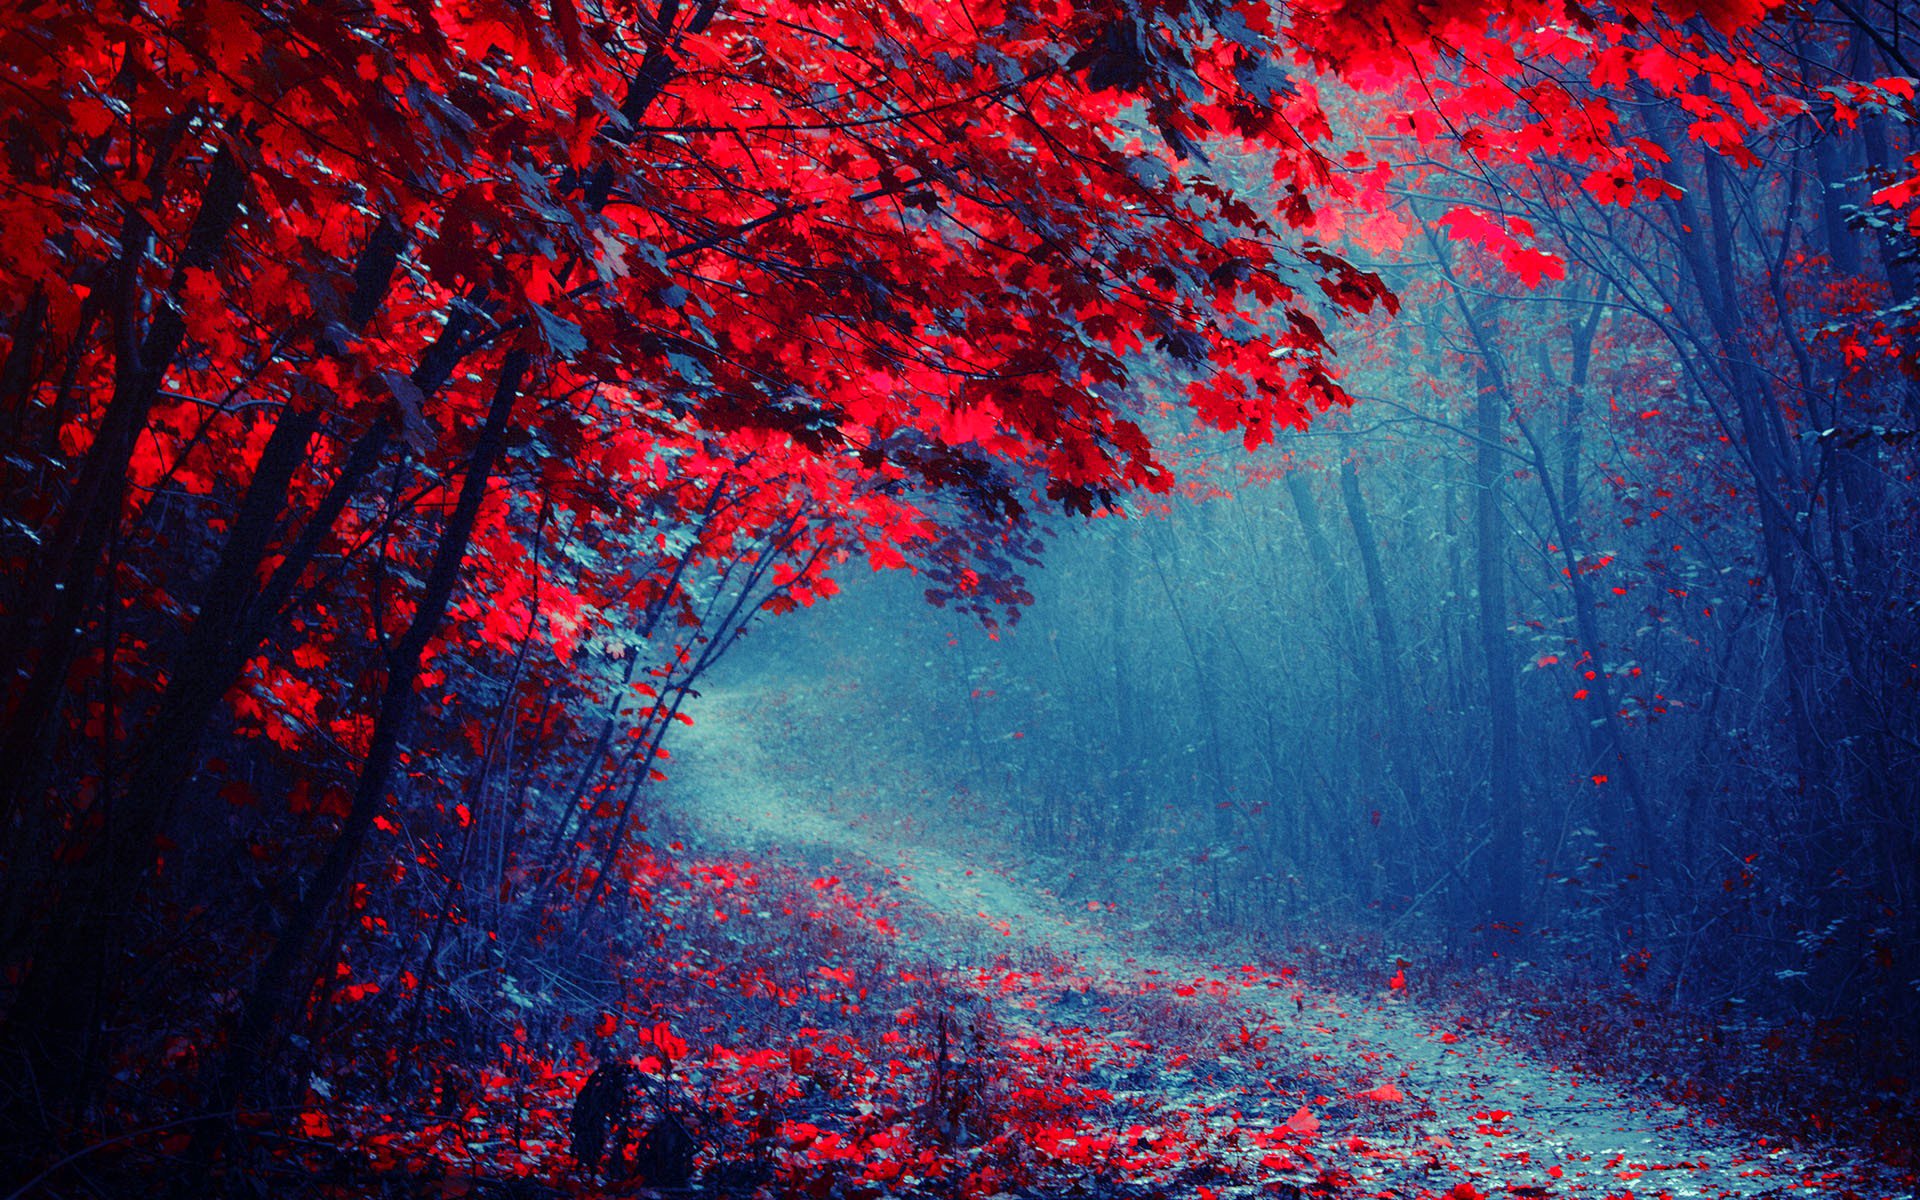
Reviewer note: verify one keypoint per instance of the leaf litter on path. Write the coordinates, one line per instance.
(1269, 1083)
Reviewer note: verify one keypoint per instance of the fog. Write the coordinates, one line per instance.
(1358, 690)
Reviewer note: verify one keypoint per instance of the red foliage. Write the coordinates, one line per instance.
(407, 402)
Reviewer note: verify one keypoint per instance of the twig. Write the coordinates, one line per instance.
(1433, 887)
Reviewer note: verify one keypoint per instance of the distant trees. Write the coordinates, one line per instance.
(1599, 617)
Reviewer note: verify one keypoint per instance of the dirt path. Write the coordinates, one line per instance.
(1476, 1111)
(749, 780)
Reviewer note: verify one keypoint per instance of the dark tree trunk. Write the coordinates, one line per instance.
(1405, 751)
(1505, 853)
(54, 1023)
(41, 640)
(272, 994)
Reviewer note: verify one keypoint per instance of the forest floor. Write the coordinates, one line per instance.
(1282, 1083)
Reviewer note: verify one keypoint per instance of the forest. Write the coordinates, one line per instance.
(1001, 599)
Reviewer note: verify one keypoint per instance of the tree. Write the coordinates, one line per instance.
(347, 346)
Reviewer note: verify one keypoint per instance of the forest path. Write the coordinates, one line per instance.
(779, 771)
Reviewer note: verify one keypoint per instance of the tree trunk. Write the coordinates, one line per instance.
(54, 1023)
(43, 637)
(250, 1048)
(1405, 751)
(1505, 850)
